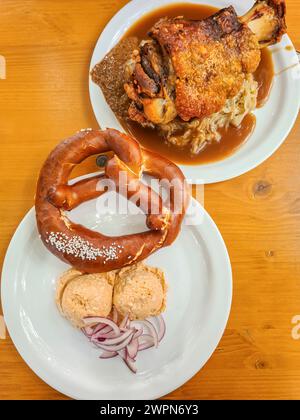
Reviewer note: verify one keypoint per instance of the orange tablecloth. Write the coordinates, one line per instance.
(48, 45)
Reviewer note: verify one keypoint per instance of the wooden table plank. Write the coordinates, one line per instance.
(48, 46)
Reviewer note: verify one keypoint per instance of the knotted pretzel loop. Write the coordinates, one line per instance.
(90, 251)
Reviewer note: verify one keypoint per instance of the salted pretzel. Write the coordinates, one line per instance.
(90, 251)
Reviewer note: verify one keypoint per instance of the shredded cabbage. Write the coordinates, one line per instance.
(198, 133)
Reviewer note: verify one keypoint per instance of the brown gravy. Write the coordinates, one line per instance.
(232, 137)
(264, 75)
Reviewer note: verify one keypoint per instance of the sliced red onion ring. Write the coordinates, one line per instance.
(122, 353)
(152, 331)
(88, 331)
(145, 342)
(110, 334)
(119, 339)
(99, 327)
(116, 347)
(130, 364)
(103, 331)
(85, 333)
(138, 333)
(128, 361)
(125, 340)
(151, 328)
(108, 354)
(161, 328)
(94, 320)
(132, 348)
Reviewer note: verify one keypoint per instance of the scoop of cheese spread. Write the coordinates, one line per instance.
(140, 291)
(80, 295)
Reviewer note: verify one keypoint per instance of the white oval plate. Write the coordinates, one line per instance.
(274, 120)
(198, 272)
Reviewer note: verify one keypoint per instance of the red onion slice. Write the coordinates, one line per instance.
(150, 327)
(95, 320)
(130, 364)
(161, 327)
(129, 361)
(125, 340)
(92, 320)
(152, 331)
(108, 354)
(110, 334)
(122, 353)
(132, 348)
(88, 331)
(99, 327)
(85, 333)
(145, 342)
(138, 333)
(116, 347)
(129, 358)
(119, 339)
(103, 331)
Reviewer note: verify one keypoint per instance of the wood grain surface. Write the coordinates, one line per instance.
(47, 45)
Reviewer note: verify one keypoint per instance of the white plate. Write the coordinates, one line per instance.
(198, 271)
(274, 120)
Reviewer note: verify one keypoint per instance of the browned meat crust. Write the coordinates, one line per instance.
(210, 58)
(190, 68)
(150, 86)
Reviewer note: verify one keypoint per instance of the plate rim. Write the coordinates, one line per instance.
(232, 171)
(41, 371)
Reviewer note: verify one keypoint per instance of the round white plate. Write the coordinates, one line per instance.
(274, 120)
(198, 272)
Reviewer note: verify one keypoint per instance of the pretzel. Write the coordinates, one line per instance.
(90, 251)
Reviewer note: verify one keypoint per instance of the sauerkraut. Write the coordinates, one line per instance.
(196, 133)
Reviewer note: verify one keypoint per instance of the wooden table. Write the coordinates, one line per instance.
(48, 45)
